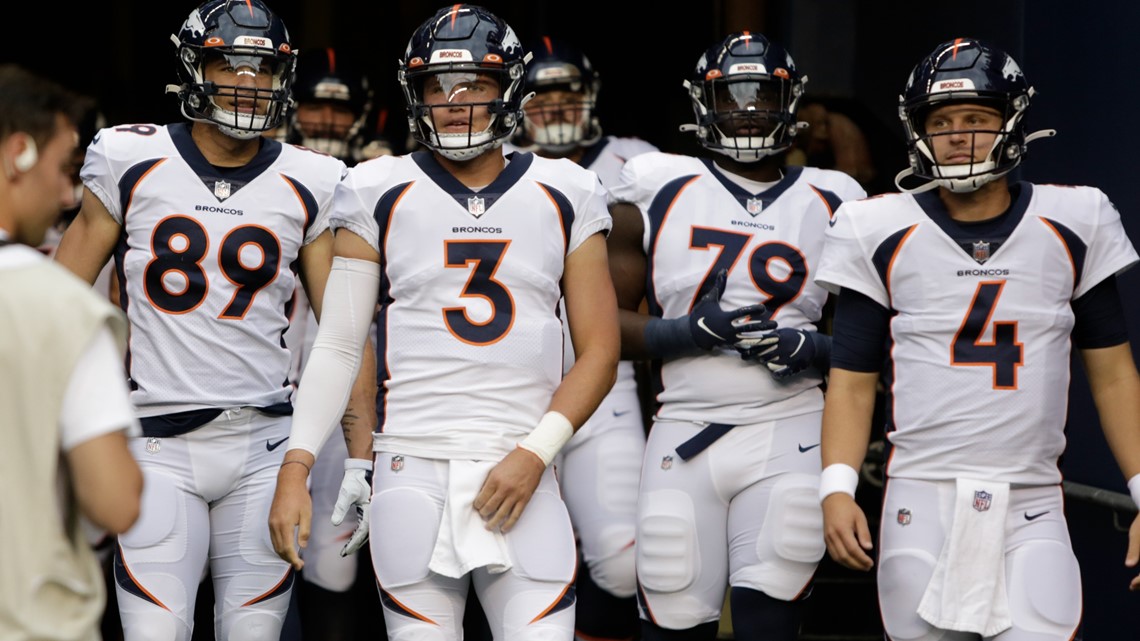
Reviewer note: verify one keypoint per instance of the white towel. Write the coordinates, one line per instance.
(967, 591)
(464, 542)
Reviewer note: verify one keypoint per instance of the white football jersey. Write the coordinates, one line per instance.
(469, 348)
(606, 160)
(206, 262)
(979, 368)
(697, 221)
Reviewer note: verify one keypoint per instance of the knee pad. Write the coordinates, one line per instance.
(794, 521)
(902, 578)
(789, 543)
(616, 574)
(157, 624)
(542, 542)
(326, 568)
(162, 508)
(401, 550)
(416, 631)
(667, 542)
(1044, 586)
(251, 625)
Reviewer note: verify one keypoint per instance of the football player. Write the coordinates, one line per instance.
(468, 252)
(211, 224)
(981, 286)
(724, 249)
(332, 114)
(600, 466)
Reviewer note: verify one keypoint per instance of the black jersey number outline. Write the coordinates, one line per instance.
(1002, 352)
(483, 258)
(778, 290)
(186, 259)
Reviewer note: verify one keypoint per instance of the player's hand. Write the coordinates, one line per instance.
(1133, 557)
(291, 514)
(786, 351)
(846, 533)
(713, 326)
(355, 495)
(508, 489)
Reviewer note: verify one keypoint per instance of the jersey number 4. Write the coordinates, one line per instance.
(1002, 352)
(180, 244)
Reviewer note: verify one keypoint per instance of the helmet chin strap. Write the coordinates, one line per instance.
(965, 184)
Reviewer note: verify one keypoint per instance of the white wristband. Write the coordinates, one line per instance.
(548, 437)
(1134, 488)
(838, 477)
(357, 464)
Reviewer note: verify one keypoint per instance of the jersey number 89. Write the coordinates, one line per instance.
(180, 244)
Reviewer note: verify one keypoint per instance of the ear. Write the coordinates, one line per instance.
(27, 158)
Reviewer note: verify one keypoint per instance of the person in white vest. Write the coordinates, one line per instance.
(64, 410)
(973, 289)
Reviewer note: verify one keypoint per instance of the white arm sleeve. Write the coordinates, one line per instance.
(347, 312)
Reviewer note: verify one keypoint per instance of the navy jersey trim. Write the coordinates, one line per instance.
(829, 198)
(131, 179)
(308, 201)
(520, 162)
(1076, 248)
(593, 152)
(766, 197)
(995, 230)
(385, 206)
(236, 177)
(658, 210)
(885, 254)
(565, 212)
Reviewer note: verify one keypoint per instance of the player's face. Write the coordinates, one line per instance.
(748, 107)
(459, 100)
(245, 73)
(50, 189)
(962, 133)
(325, 120)
(556, 106)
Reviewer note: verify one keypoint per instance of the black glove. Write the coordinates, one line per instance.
(712, 326)
(707, 327)
(788, 351)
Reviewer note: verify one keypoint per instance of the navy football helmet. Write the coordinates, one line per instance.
(744, 93)
(248, 35)
(558, 126)
(326, 79)
(450, 52)
(965, 70)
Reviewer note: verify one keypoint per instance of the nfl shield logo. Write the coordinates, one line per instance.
(397, 463)
(475, 205)
(222, 189)
(982, 500)
(153, 445)
(981, 251)
(904, 516)
(754, 206)
(666, 462)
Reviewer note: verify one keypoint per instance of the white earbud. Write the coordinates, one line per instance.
(28, 157)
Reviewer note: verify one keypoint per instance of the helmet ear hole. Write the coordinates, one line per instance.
(28, 157)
